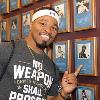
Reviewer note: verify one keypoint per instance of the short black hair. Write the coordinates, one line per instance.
(84, 46)
(59, 46)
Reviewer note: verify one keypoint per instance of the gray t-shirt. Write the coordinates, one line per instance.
(29, 76)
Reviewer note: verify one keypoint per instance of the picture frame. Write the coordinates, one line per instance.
(4, 6)
(86, 55)
(36, 0)
(26, 2)
(14, 4)
(46, 5)
(86, 92)
(63, 9)
(84, 14)
(61, 55)
(15, 27)
(3, 30)
(26, 20)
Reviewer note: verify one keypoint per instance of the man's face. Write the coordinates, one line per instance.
(43, 30)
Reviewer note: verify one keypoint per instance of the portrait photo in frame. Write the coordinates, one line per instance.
(26, 2)
(63, 9)
(86, 92)
(14, 4)
(86, 55)
(15, 27)
(62, 55)
(84, 14)
(4, 6)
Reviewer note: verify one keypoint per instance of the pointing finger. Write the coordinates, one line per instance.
(78, 70)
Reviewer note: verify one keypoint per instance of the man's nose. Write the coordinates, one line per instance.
(48, 29)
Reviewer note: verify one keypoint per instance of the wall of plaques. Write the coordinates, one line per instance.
(77, 43)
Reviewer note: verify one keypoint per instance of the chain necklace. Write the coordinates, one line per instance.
(31, 52)
(39, 70)
(42, 61)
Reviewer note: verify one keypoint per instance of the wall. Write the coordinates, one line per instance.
(74, 35)
(84, 34)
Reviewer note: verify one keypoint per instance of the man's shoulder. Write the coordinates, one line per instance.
(5, 50)
(20, 42)
(5, 46)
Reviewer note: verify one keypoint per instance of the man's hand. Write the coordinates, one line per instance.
(69, 81)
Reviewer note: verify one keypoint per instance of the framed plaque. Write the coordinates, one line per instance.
(15, 27)
(4, 6)
(26, 21)
(14, 4)
(62, 7)
(86, 92)
(86, 55)
(84, 14)
(26, 2)
(61, 55)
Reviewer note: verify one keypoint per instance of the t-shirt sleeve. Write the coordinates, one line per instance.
(53, 91)
(5, 51)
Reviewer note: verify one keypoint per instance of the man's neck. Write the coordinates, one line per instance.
(32, 45)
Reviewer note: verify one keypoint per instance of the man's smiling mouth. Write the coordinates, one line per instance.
(45, 37)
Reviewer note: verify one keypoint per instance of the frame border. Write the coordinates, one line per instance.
(68, 55)
(94, 66)
(94, 86)
(93, 12)
(68, 14)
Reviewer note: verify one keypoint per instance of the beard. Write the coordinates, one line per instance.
(41, 46)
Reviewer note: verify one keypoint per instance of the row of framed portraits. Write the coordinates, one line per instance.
(84, 53)
(10, 5)
(15, 27)
(83, 14)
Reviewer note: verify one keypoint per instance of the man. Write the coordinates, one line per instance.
(31, 75)
(60, 53)
(82, 53)
(84, 95)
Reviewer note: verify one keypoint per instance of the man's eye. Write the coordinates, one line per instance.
(42, 24)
